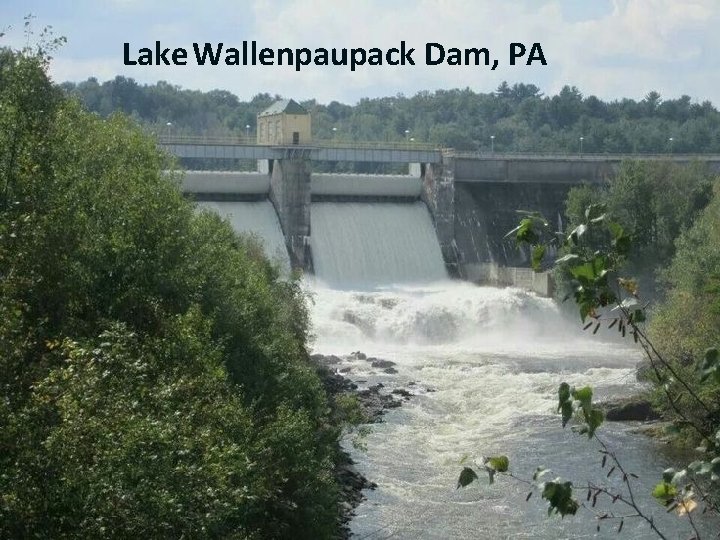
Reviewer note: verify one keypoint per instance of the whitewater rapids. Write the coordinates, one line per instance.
(484, 365)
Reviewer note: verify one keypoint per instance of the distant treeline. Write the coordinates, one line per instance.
(519, 117)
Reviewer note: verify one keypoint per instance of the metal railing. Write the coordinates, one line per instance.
(322, 143)
(575, 156)
(420, 146)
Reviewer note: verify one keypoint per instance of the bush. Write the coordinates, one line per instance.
(688, 322)
(154, 371)
(654, 202)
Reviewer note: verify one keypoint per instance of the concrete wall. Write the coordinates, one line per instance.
(508, 276)
(365, 185)
(290, 194)
(470, 218)
(225, 182)
(438, 193)
(473, 200)
(536, 170)
(485, 213)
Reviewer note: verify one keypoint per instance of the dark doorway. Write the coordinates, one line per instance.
(296, 137)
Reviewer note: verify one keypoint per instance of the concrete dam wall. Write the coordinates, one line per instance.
(469, 200)
(448, 218)
(350, 230)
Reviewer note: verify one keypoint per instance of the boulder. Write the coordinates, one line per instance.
(634, 409)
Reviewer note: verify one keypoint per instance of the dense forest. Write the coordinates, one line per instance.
(519, 117)
(671, 215)
(154, 367)
(154, 371)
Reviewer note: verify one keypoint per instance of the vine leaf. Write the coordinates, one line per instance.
(467, 477)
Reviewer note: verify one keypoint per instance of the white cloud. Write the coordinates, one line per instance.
(636, 46)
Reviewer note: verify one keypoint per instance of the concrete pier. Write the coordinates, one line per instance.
(439, 196)
(290, 194)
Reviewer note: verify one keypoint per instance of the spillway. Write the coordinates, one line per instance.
(259, 219)
(366, 245)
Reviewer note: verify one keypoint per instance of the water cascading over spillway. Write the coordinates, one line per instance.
(366, 245)
(259, 219)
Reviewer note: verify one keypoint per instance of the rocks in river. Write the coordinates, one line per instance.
(334, 382)
(402, 393)
(325, 359)
(376, 403)
(629, 409)
(352, 484)
(375, 400)
(386, 366)
(382, 364)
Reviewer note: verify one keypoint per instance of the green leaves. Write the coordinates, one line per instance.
(498, 463)
(559, 496)
(589, 269)
(467, 477)
(492, 465)
(594, 420)
(565, 406)
(595, 213)
(182, 402)
(665, 493)
(710, 366)
(571, 399)
(525, 232)
(531, 230)
(538, 253)
(620, 241)
(584, 396)
(495, 465)
(706, 468)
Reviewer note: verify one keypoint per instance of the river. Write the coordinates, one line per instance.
(484, 365)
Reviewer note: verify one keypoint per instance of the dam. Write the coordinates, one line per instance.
(481, 364)
(446, 217)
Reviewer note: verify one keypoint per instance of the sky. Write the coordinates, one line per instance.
(608, 48)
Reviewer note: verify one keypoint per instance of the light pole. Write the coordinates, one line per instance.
(581, 141)
(247, 131)
(334, 130)
(169, 129)
(492, 144)
(407, 134)
(670, 140)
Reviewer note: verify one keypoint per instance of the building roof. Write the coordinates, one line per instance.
(288, 106)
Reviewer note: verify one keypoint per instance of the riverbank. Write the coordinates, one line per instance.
(373, 402)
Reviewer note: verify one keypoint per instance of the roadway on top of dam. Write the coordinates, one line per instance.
(467, 166)
(397, 152)
(245, 148)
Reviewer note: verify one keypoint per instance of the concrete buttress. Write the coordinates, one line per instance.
(290, 194)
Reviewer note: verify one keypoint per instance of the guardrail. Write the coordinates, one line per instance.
(576, 156)
(419, 146)
(322, 143)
